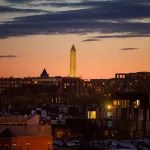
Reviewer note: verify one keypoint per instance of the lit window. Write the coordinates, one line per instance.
(91, 114)
(14, 147)
(48, 148)
(27, 146)
(52, 100)
(138, 103)
(35, 82)
(115, 102)
(109, 114)
(65, 85)
(56, 100)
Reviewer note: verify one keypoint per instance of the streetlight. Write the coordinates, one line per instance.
(109, 107)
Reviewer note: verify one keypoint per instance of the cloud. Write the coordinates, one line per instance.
(5, 9)
(7, 56)
(108, 17)
(18, 1)
(129, 35)
(90, 40)
(128, 49)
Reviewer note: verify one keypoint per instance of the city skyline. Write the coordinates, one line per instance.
(108, 38)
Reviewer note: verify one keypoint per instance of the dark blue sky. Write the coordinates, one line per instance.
(131, 18)
(110, 36)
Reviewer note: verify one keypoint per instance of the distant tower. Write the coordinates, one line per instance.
(72, 62)
(44, 74)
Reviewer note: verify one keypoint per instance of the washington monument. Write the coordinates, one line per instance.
(72, 62)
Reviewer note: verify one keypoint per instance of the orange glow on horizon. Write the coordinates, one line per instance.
(101, 59)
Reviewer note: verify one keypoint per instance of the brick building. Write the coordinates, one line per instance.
(22, 133)
(25, 138)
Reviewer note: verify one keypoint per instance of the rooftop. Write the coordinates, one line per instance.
(15, 131)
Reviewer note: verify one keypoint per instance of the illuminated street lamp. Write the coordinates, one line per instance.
(109, 107)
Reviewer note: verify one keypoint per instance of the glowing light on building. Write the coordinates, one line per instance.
(65, 85)
(138, 102)
(91, 114)
(72, 62)
(121, 103)
(109, 106)
(35, 82)
(115, 102)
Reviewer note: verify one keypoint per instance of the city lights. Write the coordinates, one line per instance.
(74, 74)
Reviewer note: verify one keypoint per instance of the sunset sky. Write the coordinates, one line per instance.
(110, 36)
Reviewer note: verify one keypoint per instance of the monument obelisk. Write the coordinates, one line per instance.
(72, 62)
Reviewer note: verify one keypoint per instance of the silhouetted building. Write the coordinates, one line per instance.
(49, 80)
(35, 93)
(72, 85)
(133, 82)
(11, 82)
(44, 74)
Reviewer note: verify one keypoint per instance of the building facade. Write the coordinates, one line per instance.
(25, 138)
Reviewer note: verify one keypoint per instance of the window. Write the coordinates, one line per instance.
(14, 147)
(48, 148)
(65, 86)
(91, 114)
(115, 102)
(27, 146)
(56, 100)
(52, 100)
